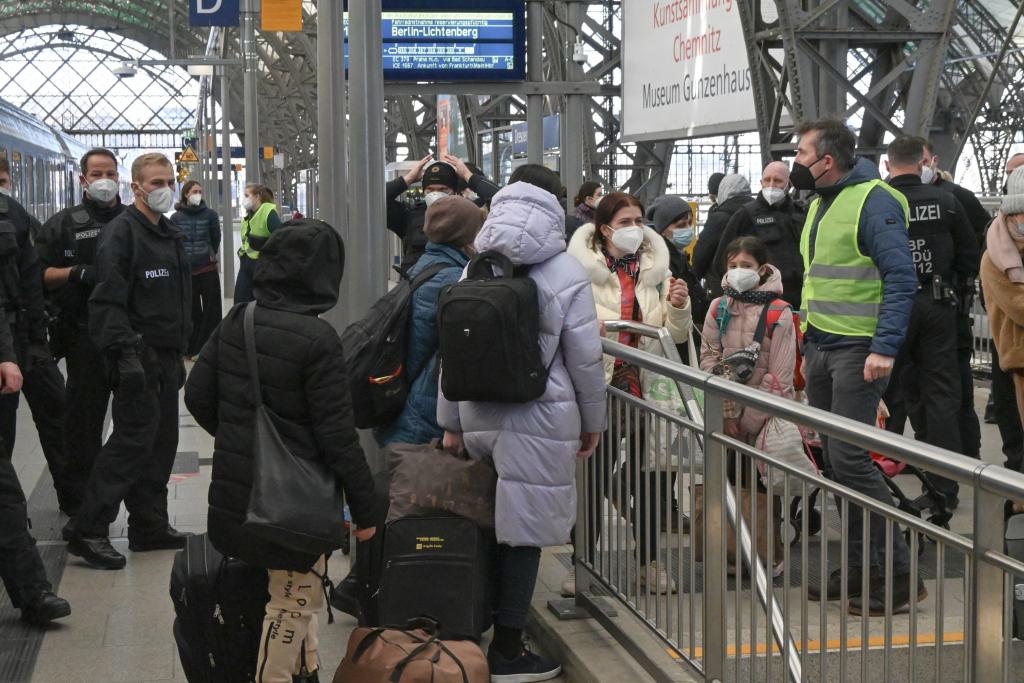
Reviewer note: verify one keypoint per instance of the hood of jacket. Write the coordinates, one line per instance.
(731, 205)
(526, 224)
(733, 185)
(300, 268)
(772, 284)
(863, 171)
(654, 257)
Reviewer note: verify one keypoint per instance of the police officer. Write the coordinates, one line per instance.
(140, 320)
(21, 568)
(43, 385)
(438, 179)
(775, 219)
(946, 257)
(979, 218)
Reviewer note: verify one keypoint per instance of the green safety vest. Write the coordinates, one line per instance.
(255, 231)
(843, 288)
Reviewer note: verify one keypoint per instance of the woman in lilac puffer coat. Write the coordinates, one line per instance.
(535, 445)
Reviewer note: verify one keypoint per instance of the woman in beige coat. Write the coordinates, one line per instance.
(628, 267)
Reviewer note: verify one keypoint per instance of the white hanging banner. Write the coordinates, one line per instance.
(685, 71)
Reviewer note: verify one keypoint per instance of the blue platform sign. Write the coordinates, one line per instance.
(213, 12)
(552, 134)
(451, 40)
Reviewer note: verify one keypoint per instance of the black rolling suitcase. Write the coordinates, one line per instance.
(219, 603)
(438, 567)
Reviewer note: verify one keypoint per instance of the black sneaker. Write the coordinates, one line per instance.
(168, 539)
(526, 668)
(900, 596)
(834, 587)
(96, 551)
(44, 608)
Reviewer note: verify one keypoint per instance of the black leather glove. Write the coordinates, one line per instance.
(82, 275)
(128, 372)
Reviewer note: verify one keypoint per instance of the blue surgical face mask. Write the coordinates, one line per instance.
(682, 237)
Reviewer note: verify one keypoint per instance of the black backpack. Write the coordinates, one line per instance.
(375, 350)
(489, 335)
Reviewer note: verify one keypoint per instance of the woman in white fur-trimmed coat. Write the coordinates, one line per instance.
(628, 267)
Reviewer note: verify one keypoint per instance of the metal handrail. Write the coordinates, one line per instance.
(989, 477)
(769, 603)
(985, 639)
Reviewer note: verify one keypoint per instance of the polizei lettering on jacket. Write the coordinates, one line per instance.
(157, 273)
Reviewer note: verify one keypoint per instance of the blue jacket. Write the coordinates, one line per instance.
(200, 226)
(418, 421)
(882, 237)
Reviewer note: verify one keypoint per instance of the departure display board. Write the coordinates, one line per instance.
(431, 40)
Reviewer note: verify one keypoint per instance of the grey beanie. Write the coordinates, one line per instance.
(1013, 200)
(668, 210)
(732, 185)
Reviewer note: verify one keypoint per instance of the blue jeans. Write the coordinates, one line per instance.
(835, 383)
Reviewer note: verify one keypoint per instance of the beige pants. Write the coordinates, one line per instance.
(291, 621)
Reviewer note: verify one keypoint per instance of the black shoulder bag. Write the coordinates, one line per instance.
(296, 499)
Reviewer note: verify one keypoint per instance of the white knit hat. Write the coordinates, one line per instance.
(1013, 200)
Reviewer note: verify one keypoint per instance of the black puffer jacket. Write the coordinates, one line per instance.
(304, 380)
(708, 241)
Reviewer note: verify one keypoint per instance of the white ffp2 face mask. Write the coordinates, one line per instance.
(743, 279)
(248, 203)
(773, 195)
(195, 199)
(103, 190)
(431, 197)
(628, 239)
(161, 200)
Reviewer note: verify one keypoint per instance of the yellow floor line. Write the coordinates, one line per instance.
(836, 644)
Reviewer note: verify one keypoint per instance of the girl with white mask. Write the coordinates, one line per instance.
(628, 266)
(750, 285)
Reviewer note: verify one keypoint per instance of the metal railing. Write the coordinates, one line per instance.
(744, 613)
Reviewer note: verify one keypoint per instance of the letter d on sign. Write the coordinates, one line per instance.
(213, 12)
(203, 8)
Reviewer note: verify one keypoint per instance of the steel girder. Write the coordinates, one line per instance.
(802, 54)
(893, 66)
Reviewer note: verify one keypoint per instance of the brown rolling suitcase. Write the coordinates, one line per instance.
(378, 655)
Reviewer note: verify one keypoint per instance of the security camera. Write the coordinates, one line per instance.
(126, 70)
(579, 55)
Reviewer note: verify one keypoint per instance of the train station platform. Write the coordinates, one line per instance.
(120, 626)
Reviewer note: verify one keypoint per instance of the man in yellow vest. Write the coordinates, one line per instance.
(859, 288)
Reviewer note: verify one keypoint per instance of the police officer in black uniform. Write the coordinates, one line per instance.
(140, 320)
(67, 251)
(43, 385)
(946, 257)
(775, 219)
(438, 179)
(21, 568)
(979, 218)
